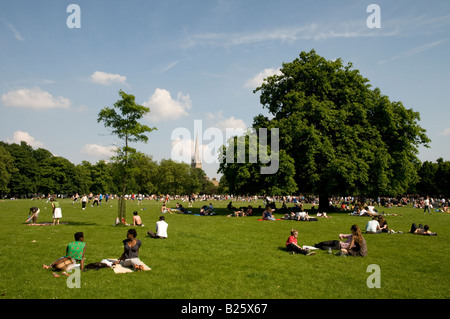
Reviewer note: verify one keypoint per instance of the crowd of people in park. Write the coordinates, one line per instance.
(349, 244)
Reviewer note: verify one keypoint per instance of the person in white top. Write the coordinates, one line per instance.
(161, 229)
(426, 207)
(373, 227)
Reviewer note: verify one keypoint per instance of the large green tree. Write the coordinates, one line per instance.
(7, 168)
(344, 136)
(123, 120)
(244, 176)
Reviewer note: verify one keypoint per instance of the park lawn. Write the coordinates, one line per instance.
(219, 257)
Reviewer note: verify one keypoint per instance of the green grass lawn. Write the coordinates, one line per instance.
(216, 257)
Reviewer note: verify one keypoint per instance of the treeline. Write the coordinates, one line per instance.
(25, 171)
(434, 179)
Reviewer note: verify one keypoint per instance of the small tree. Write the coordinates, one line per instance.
(123, 119)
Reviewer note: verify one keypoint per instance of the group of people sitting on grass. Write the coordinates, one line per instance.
(75, 253)
(352, 244)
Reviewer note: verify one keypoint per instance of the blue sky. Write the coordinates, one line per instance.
(201, 60)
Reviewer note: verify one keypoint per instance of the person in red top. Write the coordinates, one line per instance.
(293, 247)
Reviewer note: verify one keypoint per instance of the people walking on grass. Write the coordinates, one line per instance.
(96, 201)
(84, 200)
(426, 206)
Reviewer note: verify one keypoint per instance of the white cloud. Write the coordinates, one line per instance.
(98, 151)
(446, 132)
(258, 79)
(288, 34)
(163, 107)
(16, 33)
(34, 98)
(231, 123)
(170, 66)
(20, 136)
(223, 123)
(413, 51)
(107, 78)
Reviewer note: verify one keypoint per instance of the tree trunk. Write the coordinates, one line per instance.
(124, 183)
(324, 203)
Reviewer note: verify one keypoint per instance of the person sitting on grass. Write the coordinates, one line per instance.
(137, 221)
(293, 247)
(373, 227)
(357, 245)
(267, 214)
(383, 225)
(161, 229)
(130, 256)
(74, 256)
(231, 207)
(164, 209)
(421, 230)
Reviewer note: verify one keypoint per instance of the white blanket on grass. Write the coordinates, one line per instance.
(120, 269)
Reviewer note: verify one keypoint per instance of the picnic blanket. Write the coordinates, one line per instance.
(119, 269)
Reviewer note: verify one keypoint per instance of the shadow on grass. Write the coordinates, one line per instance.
(70, 223)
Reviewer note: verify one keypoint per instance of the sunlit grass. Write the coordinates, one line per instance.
(219, 257)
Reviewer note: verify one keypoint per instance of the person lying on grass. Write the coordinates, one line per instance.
(336, 244)
(421, 230)
(74, 255)
(242, 213)
(130, 256)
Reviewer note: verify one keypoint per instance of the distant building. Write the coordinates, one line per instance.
(196, 161)
(215, 181)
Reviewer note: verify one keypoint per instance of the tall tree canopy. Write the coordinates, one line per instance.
(344, 137)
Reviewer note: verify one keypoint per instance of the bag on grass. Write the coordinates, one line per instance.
(63, 263)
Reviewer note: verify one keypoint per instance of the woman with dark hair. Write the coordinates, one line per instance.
(383, 224)
(357, 245)
(74, 256)
(130, 256)
(137, 219)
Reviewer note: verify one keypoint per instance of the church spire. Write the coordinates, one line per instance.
(196, 162)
